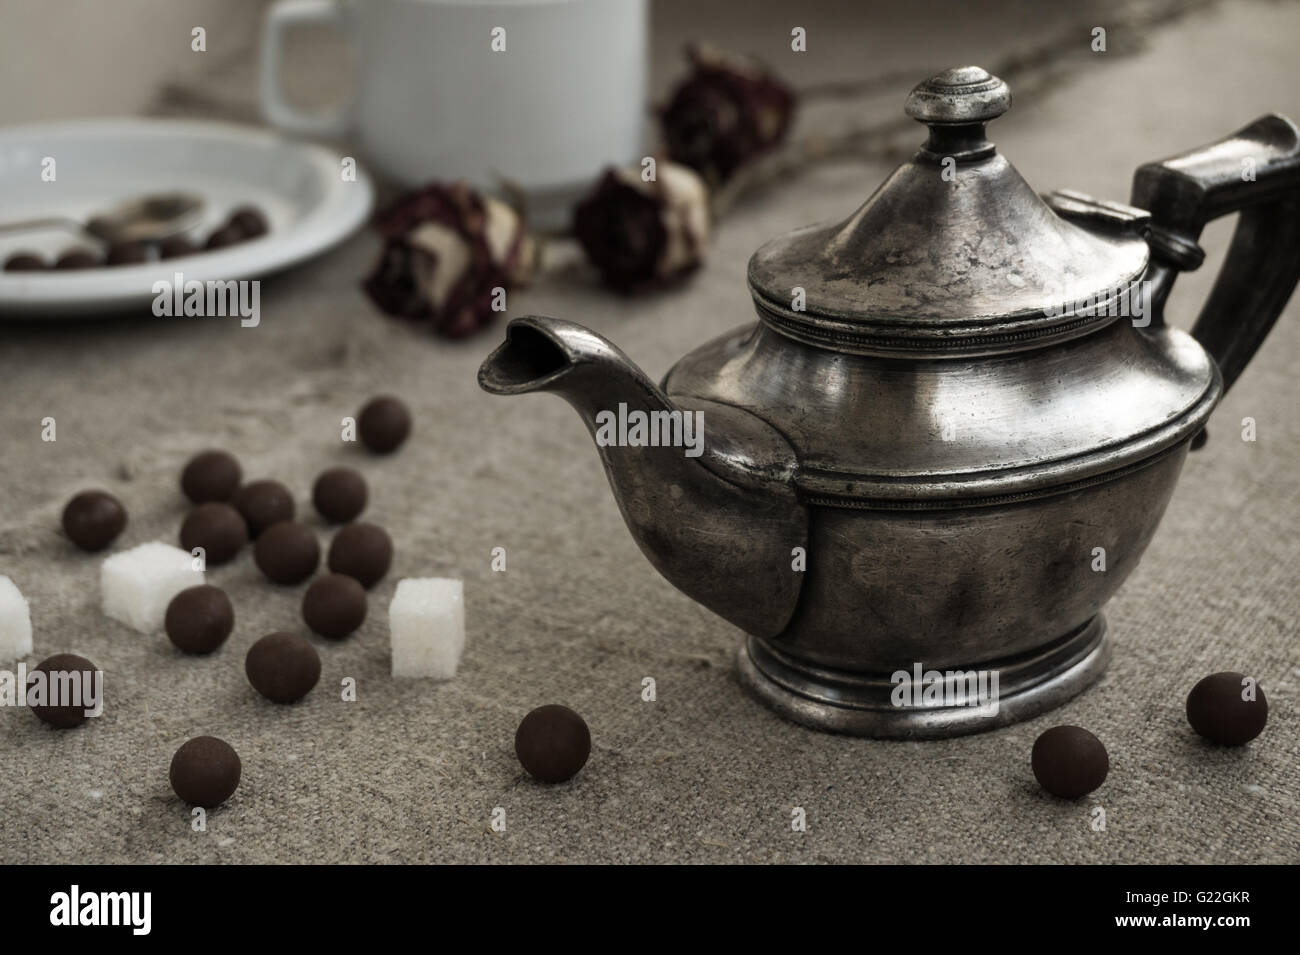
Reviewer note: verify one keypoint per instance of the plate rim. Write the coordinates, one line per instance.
(345, 207)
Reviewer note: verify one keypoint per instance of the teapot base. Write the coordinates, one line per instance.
(926, 704)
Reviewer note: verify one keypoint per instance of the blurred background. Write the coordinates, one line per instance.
(83, 58)
(90, 58)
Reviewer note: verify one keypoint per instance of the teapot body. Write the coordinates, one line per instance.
(955, 427)
(964, 516)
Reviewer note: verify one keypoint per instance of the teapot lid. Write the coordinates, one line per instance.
(954, 253)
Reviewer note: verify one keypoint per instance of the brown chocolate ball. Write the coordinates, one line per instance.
(75, 259)
(362, 551)
(199, 619)
(263, 503)
(283, 667)
(334, 606)
(553, 743)
(93, 519)
(384, 423)
(1218, 709)
(339, 495)
(287, 552)
(1069, 762)
(205, 771)
(216, 527)
(69, 682)
(25, 262)
(227, 235)
(249, 221)
(126, 253)
(212, 476)
(176, 246)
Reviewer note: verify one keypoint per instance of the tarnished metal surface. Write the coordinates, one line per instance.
(930, 466)
(969, 586)
(720, 526)
(861, 706)
(953, 254)
(873, 429)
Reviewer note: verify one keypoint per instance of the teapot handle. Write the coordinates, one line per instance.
(1254, 172)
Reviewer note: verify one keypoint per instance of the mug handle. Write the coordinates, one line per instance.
(1254, 172)
(283, 15)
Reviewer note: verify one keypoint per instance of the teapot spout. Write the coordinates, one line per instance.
(550, 354)
(706, 489)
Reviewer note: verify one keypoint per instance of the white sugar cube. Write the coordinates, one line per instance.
(426, 622)
(15, 622)
(138, 584)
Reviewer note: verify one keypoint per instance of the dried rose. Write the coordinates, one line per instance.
(640, 234)
(446, 251)
(728, 111)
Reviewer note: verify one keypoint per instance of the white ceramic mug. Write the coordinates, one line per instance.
(538, 93)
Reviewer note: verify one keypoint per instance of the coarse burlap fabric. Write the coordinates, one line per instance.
(413, 770)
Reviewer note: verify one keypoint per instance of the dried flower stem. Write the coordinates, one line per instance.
(1027, 71)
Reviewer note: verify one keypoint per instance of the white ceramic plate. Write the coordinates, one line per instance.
(298, 186)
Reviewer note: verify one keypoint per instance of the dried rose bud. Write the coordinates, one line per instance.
(728, 111)
(641, 234)
(446, 250)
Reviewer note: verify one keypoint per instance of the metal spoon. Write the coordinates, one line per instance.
(148, 218)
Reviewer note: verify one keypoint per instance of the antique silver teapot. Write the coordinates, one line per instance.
(954, 428)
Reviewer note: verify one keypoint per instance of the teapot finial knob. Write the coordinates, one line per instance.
(962, 96)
